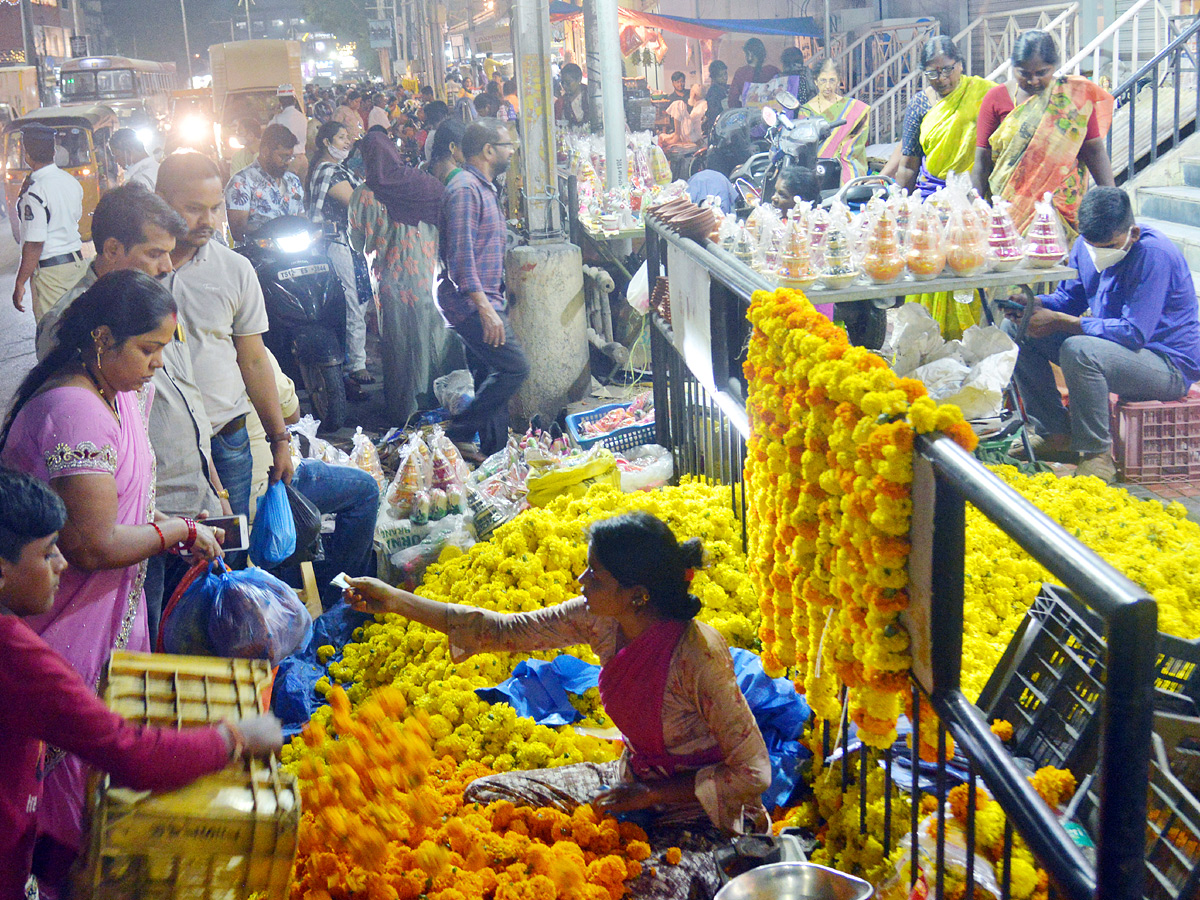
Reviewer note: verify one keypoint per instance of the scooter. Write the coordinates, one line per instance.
(306, 311)
(792, 142)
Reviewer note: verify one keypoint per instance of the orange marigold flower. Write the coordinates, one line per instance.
(638, 850)
(1003, 730)
(673, 856)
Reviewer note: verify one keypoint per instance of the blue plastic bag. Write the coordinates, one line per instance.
(249, 614)
(273, 537)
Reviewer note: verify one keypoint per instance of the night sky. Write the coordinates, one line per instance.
(152, 28)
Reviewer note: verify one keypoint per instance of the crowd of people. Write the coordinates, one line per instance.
(155, 403)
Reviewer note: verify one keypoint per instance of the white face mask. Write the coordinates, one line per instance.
(337, 153)
(1106, 257)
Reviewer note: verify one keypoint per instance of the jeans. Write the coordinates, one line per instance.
(235, 465)
(498, 373)
(163, 574)
(1093, 368)
(342, 260)
(352, 496)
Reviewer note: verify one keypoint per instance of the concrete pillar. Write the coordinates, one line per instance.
(545, 284)
(538, 159)
(544, 279)
(591, 65)
(611, 71)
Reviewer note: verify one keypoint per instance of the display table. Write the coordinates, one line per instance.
(907, 286)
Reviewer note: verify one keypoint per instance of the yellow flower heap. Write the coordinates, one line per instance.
(531, 563)
(828, 475)
(1152, 545)
(383, 819)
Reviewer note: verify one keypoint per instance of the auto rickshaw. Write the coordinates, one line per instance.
(82, 136)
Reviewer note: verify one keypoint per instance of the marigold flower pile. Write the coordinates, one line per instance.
(1152, 545)
(828, 475)
(530, 563)
(384, 820)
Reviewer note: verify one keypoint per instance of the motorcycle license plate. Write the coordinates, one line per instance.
(301, 271)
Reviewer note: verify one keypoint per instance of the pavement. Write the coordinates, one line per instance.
(16, 329)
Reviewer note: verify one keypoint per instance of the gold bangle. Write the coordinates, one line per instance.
(223, 494)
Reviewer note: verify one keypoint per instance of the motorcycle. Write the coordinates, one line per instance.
(791, 142)
(306, 311)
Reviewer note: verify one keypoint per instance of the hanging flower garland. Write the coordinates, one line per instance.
(828, 476)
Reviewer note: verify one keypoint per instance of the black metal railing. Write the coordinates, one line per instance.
(1175, 64)
(705, 427)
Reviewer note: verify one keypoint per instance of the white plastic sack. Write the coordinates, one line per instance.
(915, 336)
(644, 468)
(455, 391)
(637, 294)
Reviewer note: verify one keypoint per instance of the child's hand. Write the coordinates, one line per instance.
(261, 735)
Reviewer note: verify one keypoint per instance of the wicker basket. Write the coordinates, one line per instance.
(223, 837)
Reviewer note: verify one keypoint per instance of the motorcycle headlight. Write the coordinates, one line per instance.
(194, 128)
(294, 243)
(146, 136)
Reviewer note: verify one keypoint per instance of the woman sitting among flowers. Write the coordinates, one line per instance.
(694, 757)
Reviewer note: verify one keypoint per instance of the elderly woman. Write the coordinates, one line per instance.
(939, 138)
(939, 124)
(847, 143)
(1042, 133)
(695, 763)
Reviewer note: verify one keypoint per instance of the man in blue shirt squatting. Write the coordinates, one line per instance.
(1127, 326)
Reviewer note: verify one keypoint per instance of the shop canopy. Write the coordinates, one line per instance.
(703, 29)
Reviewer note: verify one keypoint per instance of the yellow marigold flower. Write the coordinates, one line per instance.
(673, 856)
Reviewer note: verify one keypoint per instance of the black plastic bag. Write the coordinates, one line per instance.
(307, 519)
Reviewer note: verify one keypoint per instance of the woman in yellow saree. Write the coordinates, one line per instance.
(848, 142)
(1042, 133)
(939, 138)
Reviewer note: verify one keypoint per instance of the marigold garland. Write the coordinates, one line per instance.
(828, 475)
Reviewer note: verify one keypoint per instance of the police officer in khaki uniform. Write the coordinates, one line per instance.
(49, 208)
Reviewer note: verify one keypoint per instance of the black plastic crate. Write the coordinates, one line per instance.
(1050, 682)
(1172, 829)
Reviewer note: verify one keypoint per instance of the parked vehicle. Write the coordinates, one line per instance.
(245, 80)
(18, 89)
(82, 134)
(306, 311)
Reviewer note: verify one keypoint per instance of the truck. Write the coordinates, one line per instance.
(246, 76)
(18, 89)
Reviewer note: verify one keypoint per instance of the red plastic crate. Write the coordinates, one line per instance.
(1156, 442)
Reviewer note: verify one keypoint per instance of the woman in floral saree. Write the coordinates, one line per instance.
(1042, 133)
(695, 764)
(939, 138)
(847, 143)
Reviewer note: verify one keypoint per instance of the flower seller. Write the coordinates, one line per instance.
(695, 764)
(1127, 325)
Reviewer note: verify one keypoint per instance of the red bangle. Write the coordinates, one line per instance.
(162, 541)
(191, 538)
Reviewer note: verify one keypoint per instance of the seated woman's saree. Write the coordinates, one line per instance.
(948, 140)
(848, 142)
(1036, 149)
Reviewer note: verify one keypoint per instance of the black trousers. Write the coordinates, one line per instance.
(498, 373)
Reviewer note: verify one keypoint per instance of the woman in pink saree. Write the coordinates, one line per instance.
(695, 764)
(79, 422)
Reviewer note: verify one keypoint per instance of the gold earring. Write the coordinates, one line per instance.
(97, 357)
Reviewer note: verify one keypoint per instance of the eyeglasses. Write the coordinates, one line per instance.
(942, 72)
(832, 80)
(513, 144)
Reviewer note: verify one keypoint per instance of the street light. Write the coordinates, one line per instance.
(187, 46)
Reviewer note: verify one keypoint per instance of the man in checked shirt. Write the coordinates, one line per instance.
(471, 294)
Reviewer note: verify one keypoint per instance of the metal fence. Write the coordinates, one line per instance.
(706, 429)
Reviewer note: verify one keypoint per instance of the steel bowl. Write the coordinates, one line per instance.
(795, 881)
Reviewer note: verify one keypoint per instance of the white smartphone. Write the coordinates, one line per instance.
(237, 533)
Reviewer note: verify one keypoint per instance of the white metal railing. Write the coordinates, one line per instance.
(1116, 52)
(882, 55)
(1061, 21)
(998, 33)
